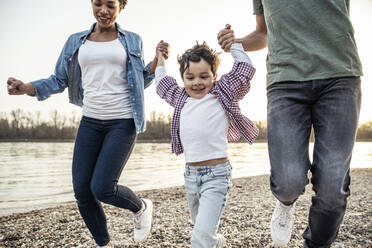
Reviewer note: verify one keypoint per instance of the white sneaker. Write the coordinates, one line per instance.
(221, 240)
(142, 221)
(282, 223)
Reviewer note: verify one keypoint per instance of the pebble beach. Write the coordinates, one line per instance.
(245, 221)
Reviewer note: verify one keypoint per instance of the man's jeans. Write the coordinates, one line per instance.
(332, 108)
(101, 150)
(206, 188)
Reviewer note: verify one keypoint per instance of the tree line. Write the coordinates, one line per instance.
(22, 125)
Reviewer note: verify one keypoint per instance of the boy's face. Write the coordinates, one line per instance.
(198, 79)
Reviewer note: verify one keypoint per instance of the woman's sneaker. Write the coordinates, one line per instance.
(282, 223)
(107, 246)
(142, 221)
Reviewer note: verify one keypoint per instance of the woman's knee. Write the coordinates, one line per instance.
(102, 191)
(83, 193)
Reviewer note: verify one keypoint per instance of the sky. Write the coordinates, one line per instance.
(34, 32)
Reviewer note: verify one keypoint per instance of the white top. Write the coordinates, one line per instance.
(104, 80)
(203, 123)
(203, 129)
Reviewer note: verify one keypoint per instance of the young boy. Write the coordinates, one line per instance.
(206, 117)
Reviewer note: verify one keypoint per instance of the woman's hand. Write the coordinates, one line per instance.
(162, 49)
(162, 52)
(17, 87)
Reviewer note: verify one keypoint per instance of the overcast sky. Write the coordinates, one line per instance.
(33, 33)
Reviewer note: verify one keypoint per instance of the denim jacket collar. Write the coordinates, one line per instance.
(86, 33)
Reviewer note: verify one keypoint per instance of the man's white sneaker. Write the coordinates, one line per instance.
(221, 240)
(142, 221)
(282, 223)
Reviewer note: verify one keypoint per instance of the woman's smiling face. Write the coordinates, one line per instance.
(106, 12)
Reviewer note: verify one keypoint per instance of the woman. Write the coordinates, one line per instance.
(104, 71)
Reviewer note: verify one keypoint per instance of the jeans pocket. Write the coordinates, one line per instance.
(189, 178)
(222, 172)
(222, 177)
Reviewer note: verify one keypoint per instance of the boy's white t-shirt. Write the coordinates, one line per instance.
(104, 80)
(203, 129)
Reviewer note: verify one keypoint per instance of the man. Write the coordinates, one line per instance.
(313, 80)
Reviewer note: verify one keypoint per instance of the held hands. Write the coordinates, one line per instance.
(162, 51)
(226, 38)
(17, 87)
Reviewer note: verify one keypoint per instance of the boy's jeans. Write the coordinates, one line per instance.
(102, 148)
(206, 188)
(332, 107)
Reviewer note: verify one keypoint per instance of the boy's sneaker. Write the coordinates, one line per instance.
(221, 240)
(282, 223)
(142, 221)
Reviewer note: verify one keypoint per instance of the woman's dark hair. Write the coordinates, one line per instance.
(122, 2)
(197, 52)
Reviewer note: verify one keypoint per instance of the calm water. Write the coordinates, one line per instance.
(38, 175)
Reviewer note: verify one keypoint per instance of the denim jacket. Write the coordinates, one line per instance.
(67, 73)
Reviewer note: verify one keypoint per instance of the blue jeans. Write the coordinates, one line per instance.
(101, 150)
(206, 188)
(332, 108)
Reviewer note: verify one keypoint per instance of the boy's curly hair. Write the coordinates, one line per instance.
(197, 52)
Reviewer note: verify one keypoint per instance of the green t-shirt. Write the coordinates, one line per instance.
(308, 39)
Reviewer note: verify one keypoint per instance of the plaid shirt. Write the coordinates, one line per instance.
(231, 88)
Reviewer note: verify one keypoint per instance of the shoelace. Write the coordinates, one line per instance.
(284, 216)
(137, 221)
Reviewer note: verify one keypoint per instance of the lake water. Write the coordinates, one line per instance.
(38, 175)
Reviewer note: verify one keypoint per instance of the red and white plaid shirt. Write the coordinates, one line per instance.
(230, 89)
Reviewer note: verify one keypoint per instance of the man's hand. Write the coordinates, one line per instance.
(226, 38)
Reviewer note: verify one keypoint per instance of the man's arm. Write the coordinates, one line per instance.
(252, 42)
(257, 39)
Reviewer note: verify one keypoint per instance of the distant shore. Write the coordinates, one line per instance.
(244, 223)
